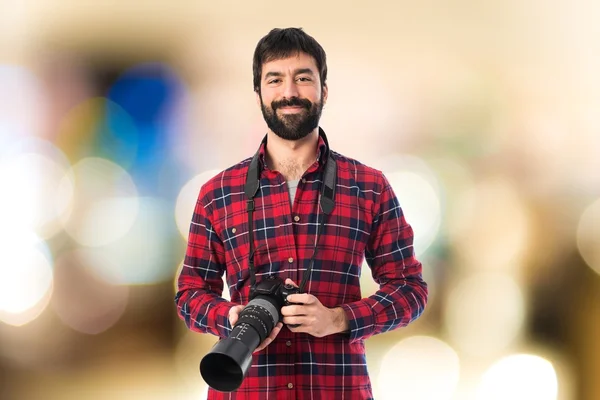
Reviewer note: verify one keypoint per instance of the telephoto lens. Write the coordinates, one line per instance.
(227, 363)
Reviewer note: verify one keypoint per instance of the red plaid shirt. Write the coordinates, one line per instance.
(367, 221)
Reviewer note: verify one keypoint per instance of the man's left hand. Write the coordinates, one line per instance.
(312, 316)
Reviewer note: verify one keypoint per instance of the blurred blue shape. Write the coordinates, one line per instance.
(148, 93)
(117, 136)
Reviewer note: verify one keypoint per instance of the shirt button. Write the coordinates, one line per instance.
(290, 385)
(233, 230)
(290, 260)
(303, 180)
(288, 343)
(296, 218)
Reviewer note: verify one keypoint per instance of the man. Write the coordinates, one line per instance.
(318, 352)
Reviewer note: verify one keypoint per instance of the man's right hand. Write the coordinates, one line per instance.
(234, 313)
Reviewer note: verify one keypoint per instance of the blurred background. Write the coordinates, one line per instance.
(483, 115)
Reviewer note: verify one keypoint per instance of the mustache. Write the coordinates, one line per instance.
(291, 102)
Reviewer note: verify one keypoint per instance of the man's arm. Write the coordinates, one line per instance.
(200, 284)
(402, 293)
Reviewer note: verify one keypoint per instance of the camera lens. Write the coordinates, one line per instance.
(226, 365)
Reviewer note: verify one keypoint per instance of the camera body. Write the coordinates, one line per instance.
(274, 288)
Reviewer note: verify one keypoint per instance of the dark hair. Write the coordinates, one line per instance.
(283, 43)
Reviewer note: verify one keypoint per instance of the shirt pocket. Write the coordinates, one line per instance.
(233, 230)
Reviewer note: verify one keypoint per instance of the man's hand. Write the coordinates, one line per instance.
(314, 318)
(234, 313)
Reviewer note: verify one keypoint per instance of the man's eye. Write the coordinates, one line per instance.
(274, 81)
(304, 79)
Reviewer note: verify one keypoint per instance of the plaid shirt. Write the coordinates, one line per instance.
(367, 221)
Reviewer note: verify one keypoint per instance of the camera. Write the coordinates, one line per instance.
(226, 365)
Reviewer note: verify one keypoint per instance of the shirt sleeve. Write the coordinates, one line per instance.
(402, 293)
(200, 283)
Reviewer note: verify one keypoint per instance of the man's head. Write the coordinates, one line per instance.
(290, 72)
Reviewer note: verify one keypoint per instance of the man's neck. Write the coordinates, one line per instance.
(291, 158)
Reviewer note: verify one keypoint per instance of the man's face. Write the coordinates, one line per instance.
(291, 98)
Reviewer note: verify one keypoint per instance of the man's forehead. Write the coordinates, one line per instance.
(300, 61)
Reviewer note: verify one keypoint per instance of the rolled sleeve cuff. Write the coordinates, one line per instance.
(361, 321)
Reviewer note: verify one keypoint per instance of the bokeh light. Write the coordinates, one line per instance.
(417, 188)
(190, 349)
(484, 313)
(368, 286)
(490, 226)
(152, 94)
(588, 236)
(186, 201)
(419, 367)
(105, 202)
(144, 254)
(98, 127)
(22, 104)
(81, 300)
(26, 277)
(30, 177)
(519, 377)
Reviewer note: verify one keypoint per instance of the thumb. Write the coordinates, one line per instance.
(234, 313)
(288, 281)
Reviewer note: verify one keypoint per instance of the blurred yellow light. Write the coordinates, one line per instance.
(186, 201)
(417, 189)
(490, 227)
(81, 300)
(105, 202)
(25, 277)
(190, 349)
(485, 313)
(519, 377)
(419, 367)
(588, 236)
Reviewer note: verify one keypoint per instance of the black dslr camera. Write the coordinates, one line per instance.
(275, 288)
(226, 365)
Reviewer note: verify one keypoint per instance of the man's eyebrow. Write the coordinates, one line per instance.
(299, 71)
(273, 73)
(304, 71)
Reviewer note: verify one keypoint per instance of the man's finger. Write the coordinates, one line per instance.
(296, 320)
(293, 310)
(234, 313)
(276, 330)
(303, 298)
(288, 281)
(271, 337)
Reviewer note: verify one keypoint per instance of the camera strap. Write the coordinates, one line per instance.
(326, 201)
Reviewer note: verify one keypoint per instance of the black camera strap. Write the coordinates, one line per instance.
(326, 201)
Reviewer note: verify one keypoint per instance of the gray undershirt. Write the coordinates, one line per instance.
(292, 186)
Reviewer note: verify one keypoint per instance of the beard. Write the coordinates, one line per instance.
(292, 126)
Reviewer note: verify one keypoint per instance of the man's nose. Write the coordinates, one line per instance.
(290, 89)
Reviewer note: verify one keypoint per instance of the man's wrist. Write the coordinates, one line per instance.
(340, 320)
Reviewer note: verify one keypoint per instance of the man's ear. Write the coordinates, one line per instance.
(325, 93)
